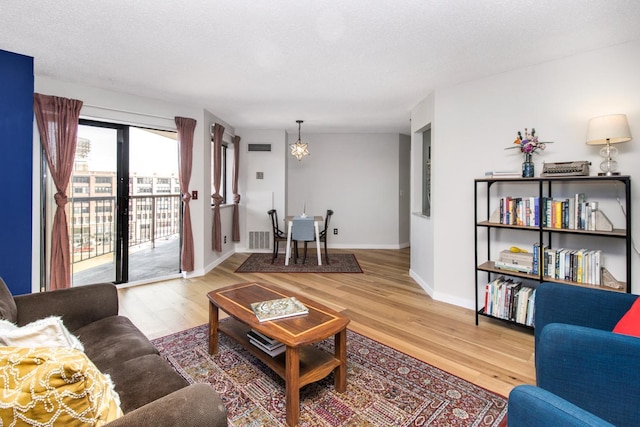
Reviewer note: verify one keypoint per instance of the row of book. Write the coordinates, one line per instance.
(510, 300)
(570, 213)
(268, 345)
(576, 265)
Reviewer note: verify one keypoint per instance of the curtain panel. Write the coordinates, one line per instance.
(216, 232)
(235, 235)
(57, 120)
(186, 128)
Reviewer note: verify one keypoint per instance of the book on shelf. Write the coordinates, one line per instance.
(271, 351)
(571, 213)
(503, 174)
(520, 258)
(513, 267)
(263, 339)
(278, 308)
(509, 300)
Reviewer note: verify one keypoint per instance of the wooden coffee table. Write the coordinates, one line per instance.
(300, 364)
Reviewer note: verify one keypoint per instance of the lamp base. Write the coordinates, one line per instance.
(608, 173)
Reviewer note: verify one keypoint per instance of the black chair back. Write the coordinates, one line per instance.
(327, 218)
(274, 223)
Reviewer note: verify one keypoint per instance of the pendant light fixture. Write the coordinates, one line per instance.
(299, 149)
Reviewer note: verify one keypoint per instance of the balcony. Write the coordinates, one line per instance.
(154, 238)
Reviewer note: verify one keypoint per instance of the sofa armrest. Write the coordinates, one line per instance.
(593, 369)
(575, 305)
(531, 406)
(77, 306)
(196, 405)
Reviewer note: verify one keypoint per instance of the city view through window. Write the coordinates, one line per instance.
(100, 249)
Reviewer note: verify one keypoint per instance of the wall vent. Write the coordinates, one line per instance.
(259, 240)
(259, 147)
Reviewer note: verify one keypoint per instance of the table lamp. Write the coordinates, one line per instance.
(607, 130)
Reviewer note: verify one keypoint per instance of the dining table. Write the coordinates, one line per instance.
(317, 219)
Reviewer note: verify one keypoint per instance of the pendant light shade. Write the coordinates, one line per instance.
(299, 149)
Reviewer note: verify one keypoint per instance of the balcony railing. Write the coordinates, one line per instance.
(93, 228)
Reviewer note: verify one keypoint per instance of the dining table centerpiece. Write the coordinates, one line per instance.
(528, 144)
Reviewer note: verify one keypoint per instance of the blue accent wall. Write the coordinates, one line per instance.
(16, 152)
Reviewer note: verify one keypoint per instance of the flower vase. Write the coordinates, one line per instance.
(527, 166)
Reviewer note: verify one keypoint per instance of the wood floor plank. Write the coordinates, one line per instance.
(384, 303)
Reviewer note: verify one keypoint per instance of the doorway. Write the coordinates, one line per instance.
(124, 204)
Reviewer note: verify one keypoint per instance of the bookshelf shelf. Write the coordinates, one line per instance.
(492, 189)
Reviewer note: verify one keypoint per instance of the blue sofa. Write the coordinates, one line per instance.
(586, 375)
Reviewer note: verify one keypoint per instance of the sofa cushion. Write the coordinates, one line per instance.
(144, 379)
(47, 332)
(47, 386)
(113, 340)
(629, 324)
(8, 309)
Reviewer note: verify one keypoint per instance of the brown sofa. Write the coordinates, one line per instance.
(151, 391)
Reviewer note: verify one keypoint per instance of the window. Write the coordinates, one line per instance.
(227, 168)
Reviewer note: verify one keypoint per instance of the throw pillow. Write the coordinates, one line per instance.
(629, 324)
(47, 332)
(54, 386)
(8, 309)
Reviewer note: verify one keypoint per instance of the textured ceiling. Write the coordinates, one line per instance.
(349, 65)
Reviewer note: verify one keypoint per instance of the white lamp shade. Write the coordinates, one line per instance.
(613, 128)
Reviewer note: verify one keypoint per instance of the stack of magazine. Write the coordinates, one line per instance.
(268, 345)
(278, 308)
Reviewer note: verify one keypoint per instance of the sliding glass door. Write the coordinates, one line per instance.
(124, 205)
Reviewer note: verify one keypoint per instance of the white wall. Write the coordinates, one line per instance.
(474, 122)
(355, 175)
(202, 165)
(404, 191)
(260, 195)
(423, 237)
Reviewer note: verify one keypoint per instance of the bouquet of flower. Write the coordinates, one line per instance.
(528, 143)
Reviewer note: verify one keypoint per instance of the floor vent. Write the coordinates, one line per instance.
(259, 240)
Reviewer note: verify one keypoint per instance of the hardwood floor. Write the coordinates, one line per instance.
(384, 303)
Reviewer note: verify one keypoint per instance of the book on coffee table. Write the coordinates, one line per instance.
(263, 339)
(278, 308)
(279, 349)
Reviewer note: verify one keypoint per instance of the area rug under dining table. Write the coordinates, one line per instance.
(338, 263)
(385, 387)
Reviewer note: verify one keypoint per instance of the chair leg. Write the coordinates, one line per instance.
(275, 251)
(295, 251)
(326, 254)
(305, 253)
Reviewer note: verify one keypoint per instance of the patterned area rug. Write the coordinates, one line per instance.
(338, 263)
(384, 387)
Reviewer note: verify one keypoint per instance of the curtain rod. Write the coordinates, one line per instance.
(117, 110)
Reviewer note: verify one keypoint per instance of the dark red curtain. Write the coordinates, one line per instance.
(186, 128)
(235, 235)
(57, 120)
(216, 234)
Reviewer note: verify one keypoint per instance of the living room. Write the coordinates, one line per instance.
(473, 120)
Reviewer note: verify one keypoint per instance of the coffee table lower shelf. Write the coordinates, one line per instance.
(315, 364)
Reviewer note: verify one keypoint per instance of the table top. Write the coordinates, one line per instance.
(315, 218)
(321, 322)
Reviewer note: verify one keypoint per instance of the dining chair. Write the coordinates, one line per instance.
(302, 229)
(323, 237)
(278, 235)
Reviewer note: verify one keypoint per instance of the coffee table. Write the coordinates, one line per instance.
(301, 363)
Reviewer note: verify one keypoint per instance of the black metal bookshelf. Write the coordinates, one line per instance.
(541, 187)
